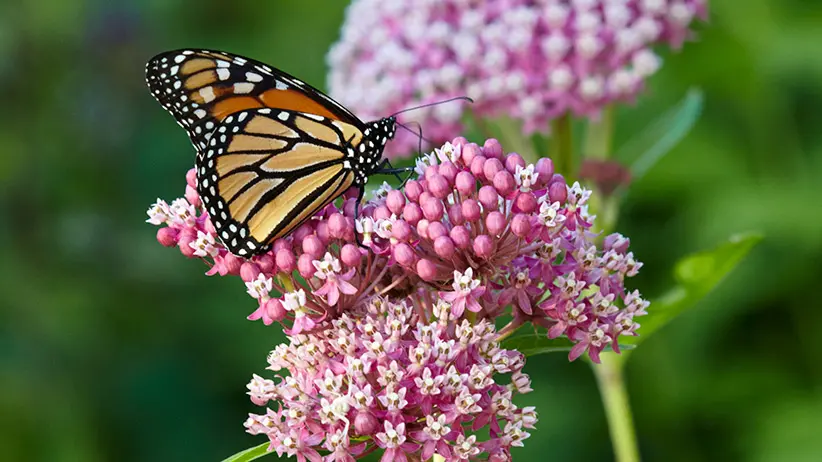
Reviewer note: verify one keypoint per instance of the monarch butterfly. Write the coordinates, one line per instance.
(271, 150)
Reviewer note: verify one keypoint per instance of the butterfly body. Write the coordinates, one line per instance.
(271, 150)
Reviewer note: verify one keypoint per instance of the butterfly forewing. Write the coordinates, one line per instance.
(201, 88)
(265, 171)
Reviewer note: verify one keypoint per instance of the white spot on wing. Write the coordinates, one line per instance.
(207, 93)
(243, 87)
(253, 77)
(223, 73)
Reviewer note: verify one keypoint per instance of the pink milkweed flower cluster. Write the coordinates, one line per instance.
(391, 314)
(478, 228)
(392, 376)
(532, 60)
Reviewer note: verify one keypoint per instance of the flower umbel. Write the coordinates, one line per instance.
(411, 398)
(478, 230)
(533, 60)
(392, 339)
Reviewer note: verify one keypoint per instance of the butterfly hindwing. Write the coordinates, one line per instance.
(201, 88)
(265, 171)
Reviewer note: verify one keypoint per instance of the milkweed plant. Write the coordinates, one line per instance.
(409, 319)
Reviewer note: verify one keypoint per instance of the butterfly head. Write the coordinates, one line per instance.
(375, 137)
(384, 130)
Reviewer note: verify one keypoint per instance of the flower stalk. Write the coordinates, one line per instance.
(611, 382)
(599, 136)
(562, 145)
(609, 374)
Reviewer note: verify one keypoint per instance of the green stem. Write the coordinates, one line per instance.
(562, 146)
(598, 145)
(611, 384)
(598, 136)
(610, 213)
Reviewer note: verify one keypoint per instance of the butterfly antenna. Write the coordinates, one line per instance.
(458, 98)
(417, 133)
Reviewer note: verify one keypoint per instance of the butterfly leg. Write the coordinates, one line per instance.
(396, 171)
(393, 171)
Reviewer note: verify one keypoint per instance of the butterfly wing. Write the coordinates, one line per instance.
(200, 88)
(265, 171)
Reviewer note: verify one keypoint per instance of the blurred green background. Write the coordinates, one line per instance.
(115, 348)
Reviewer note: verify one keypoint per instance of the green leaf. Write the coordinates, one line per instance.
(249, 454)
(696, 275)
(537, 343)
(662, 135)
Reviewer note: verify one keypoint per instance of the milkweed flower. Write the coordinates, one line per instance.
(532, 60)
(478, 230)
(384, 377)
(492, 235)
(391, 314)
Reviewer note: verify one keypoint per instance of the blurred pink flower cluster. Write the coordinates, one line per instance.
(532, 60)
(391, 376)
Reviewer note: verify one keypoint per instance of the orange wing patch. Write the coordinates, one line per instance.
(201, 79)
(192, 66)
(228, 163)
(241, 205)
(243, 142)
(232, 184)
(317, 130)
(270, 217)
(266, 126)
(330, 193)
(302, 155)
(350, 132)
(293, 100)
(232, 104)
